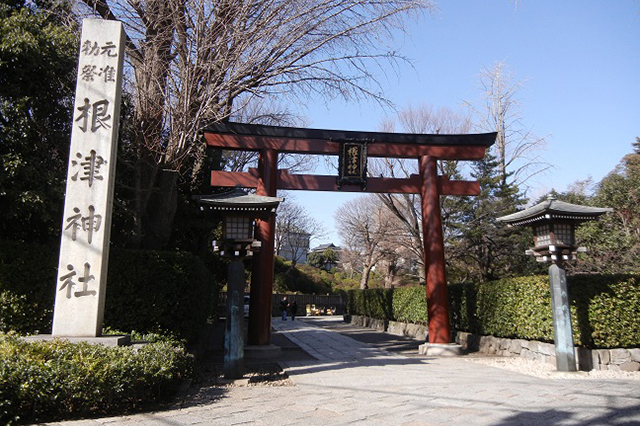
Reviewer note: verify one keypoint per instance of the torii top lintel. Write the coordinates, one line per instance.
(319, 141)
(252, 137)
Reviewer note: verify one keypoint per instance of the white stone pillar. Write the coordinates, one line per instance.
(86, 224)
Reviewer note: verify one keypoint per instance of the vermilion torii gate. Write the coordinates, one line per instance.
(353, 149)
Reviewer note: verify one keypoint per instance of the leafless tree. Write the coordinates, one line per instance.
(271, 113)
(365, 226)
(406, 207)
(198, 61)
(517, 148)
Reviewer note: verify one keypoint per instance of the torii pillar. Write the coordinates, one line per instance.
(433, 240)
(262, 272)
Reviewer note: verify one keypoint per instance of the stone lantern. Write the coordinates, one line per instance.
(239, 211)
(554, 223)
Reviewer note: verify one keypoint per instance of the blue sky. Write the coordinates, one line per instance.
(579, 60)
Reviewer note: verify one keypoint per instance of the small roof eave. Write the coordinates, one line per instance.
(553, 209)
(239, 200)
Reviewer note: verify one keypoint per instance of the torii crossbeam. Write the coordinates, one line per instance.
(267, 179)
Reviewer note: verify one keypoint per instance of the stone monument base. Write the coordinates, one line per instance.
(261, 351)
(440, 349)
(120, 340)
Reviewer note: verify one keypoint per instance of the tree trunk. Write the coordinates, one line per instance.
(390, 275)
(364, 282)
(160, 211)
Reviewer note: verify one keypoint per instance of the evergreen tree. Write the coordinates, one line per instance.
(37, 75)
(484, 249)
(614, 240)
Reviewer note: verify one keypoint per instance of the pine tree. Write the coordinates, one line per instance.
(484, 249)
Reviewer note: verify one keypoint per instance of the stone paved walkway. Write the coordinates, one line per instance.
(353, 383)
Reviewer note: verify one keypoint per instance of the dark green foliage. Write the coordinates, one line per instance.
(410, 304)
(515, 307)
(327, 259)
(17, 314)
(462, 306)
(27, 286)
(153, 290)
(478, 247)
(373, 302)
(613, 241)
(315, 259)
(146, 291)
(55, 380)
(290, 279)
(38, 52)
(603, 308)
(606, 309)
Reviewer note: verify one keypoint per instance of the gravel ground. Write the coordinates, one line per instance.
(209, 385)
(269, 374)
(546, 370)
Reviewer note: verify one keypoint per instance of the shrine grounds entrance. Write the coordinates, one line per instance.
(353, 149)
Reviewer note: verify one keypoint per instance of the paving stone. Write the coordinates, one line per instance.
(360, 384)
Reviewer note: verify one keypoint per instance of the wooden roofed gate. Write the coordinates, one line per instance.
(353, 149)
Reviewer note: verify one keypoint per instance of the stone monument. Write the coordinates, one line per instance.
(86, 223)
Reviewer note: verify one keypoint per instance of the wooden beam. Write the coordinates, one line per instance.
(409, 185)
(243, 179)
(325, 147)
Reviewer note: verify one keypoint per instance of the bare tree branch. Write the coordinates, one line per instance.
(517, 148)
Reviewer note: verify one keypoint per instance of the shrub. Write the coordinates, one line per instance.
(27, 286)
(515, 307)
(410, 304)
(289, 279)
(146, 291)
(54, 380)
(375, 303)
(606, 310)
(462, 306)
(603, 308)
(152, 290)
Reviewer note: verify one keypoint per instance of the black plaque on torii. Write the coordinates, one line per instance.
(352, 162)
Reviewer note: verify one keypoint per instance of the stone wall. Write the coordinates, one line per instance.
(415, 331)
(588, 359)
(362, 321)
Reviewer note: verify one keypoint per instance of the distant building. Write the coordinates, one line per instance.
(322, 247)
(329, 246)
(295, 246)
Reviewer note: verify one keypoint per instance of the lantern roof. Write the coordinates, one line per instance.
(237, 200)
(553, 209)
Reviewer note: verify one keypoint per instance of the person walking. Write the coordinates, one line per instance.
(293, 309)
(284, 305)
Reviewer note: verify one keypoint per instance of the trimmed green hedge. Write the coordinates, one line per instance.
(152, 290)
(45, 381)
(27, 286)
(515, 308)
(147, 290)
(604, 308)
(374, 303)
(410, 305)
(607, 309)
